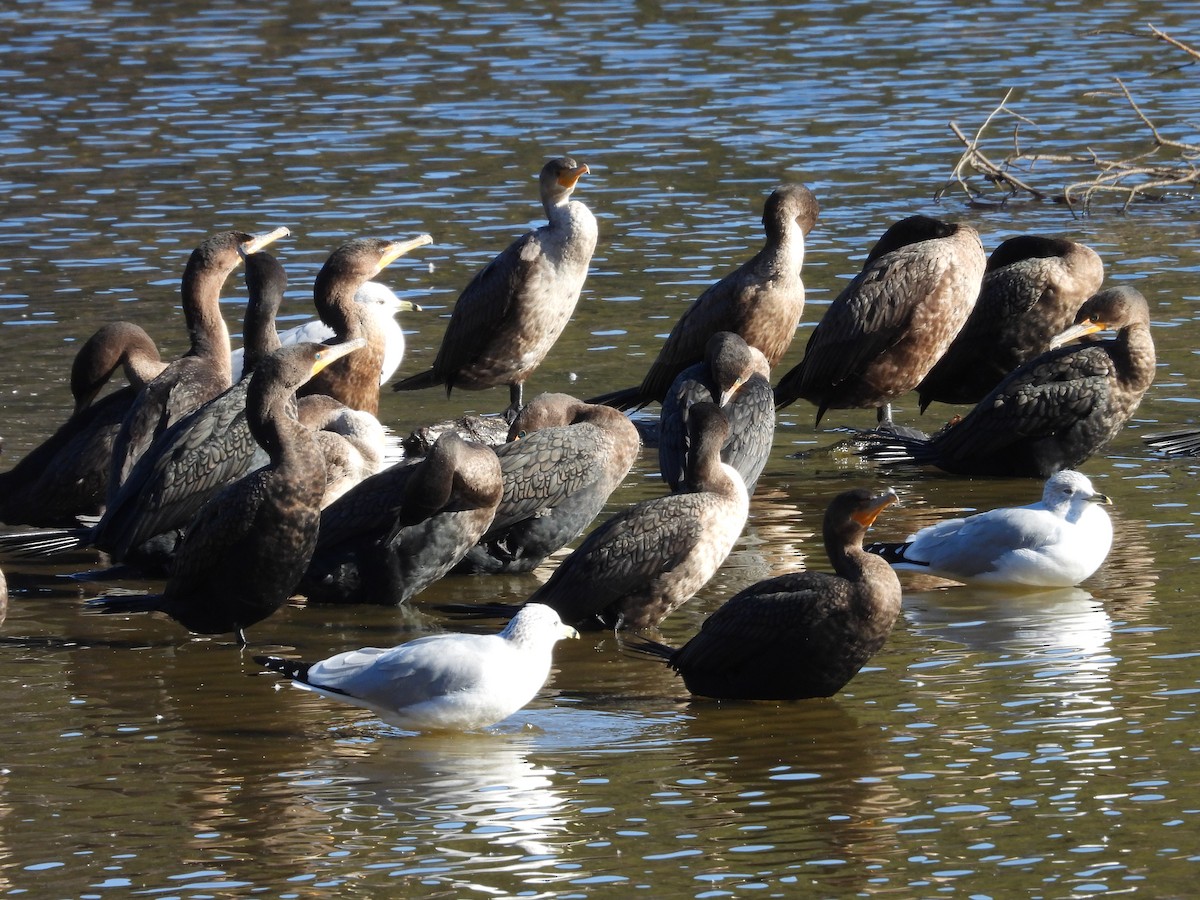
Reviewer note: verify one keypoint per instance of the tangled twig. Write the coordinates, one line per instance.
(1154, 173)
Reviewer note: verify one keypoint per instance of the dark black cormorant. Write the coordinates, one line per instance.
(243, 554)
(355, 380)
(204, 371)
(66, 476)
(1056, 410)
(394, 534)
(647, 560)
(800, 635)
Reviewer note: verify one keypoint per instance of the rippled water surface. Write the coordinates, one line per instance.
(1040, 746)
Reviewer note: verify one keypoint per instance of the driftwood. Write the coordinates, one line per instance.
(1164, 166)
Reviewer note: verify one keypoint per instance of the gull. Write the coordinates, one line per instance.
(380, 302)
(1056, 542)
(440, 682)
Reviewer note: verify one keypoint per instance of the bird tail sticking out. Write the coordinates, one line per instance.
(292, 668)
(44, 543)
(110, 604)
(892, 553)
(417, 382)
(643, 646)
(624, 399)
(462, 611)
(1175, 443)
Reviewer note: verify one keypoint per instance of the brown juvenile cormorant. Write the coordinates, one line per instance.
(563, 460)
(355, 380)
(66, 476)
(736, 377)
(214, 445)
(211, 447)
(896, 318)
(1056, 410)
(647, 560)
(203, 372)
(761, 301)
(1031, 291)
(244, 553)
(509, 316)
(800, 635)
(392, 535)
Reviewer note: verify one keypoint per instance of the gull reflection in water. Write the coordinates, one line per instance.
(1048, 653)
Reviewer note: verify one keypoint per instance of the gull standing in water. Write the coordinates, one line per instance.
(1057, 542)
(381, 305)
(440, 682)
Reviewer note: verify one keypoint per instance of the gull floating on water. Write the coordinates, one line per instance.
(440, 681)
(1056, 542)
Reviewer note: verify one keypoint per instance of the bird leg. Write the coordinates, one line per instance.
(516, 392)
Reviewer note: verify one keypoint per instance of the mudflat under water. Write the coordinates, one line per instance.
(1038, 745)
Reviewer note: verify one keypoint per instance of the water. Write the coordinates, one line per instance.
(997, 746)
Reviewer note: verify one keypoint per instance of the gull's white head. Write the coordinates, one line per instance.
(1069, 494)
(537, 622)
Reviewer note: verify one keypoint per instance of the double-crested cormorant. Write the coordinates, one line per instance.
(246, 550)
(884, 332)
(647, 560)
(203, 372)
(1031, 291)
(380, 303)
(1056, 542)
(214, 445)
(440, 682)
(800, 635)
(761, 301)
(394, 534)
(736, 377)
(355, 380)
(211, 447)
(1053, 412)
(66, 476)
(509, 316)
(562, 462)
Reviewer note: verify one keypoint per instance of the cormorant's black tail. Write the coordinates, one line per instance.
(479, 610)
(46, 542)
(292, 668)
(625, 399)
(643, 646)
(1175, 443)
(417, 382)
(110, 604)
(893, 447)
